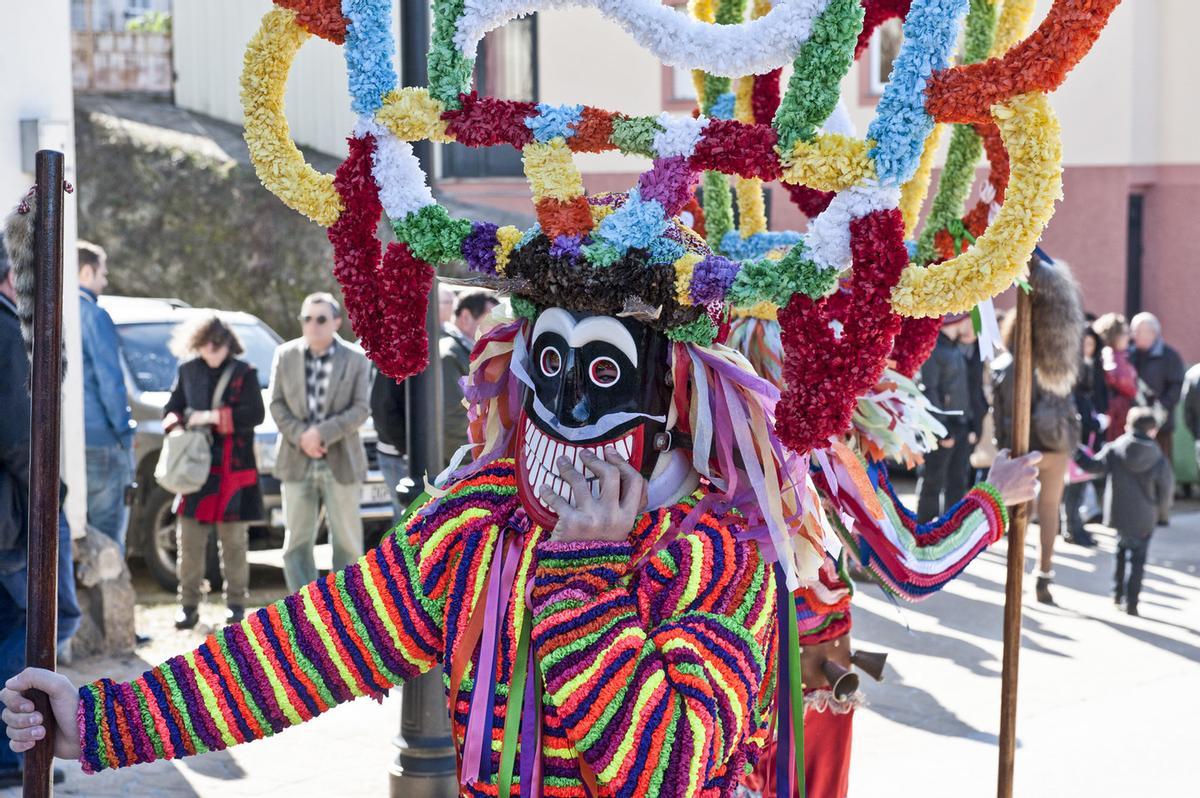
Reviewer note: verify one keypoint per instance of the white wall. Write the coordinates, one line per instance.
(584, 58)
(35, 45)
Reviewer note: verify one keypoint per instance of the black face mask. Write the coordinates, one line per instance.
(598, 381)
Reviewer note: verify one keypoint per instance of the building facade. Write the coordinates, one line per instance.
(37, 112)
(1132, 181)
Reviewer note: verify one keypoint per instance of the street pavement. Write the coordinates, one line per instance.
(1108, 703)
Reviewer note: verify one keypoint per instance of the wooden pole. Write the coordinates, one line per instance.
(46, 383)
(1022, 409)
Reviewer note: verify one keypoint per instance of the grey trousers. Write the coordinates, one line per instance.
(232, 540)
(302, 502)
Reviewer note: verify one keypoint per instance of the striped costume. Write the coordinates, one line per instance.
(656, 656)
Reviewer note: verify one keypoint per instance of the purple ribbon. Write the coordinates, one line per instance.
(483, 701)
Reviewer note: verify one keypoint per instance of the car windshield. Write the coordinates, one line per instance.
(153, 367)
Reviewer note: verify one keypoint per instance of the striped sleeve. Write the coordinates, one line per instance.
(356, 632)
(915, 560)
(661, 675)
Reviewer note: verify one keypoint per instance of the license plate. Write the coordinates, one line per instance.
(376, 493)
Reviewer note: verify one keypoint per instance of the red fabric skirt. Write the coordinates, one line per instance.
(826, 758)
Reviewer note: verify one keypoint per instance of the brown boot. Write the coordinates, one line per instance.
(1043, 591)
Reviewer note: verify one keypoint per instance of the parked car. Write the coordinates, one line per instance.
(145, 327)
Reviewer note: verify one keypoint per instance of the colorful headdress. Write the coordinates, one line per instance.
(628, 254)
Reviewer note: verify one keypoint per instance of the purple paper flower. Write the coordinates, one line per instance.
(670, 181)
(711, 279)
(566, 246)
(479, 248)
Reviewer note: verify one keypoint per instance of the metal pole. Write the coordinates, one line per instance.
(425, 766)
(46, 382)
(1022, 408)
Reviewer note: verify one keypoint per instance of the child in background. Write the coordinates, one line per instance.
(1137, 495)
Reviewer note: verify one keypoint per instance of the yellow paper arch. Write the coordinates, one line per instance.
(1032, 135)
(279, 164)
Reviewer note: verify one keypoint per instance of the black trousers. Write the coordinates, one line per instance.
(1134, 550)
(1072, 504)
(945, 476)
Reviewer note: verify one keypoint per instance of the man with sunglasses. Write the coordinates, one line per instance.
(319, 400)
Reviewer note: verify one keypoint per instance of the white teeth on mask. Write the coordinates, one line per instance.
(623, 447)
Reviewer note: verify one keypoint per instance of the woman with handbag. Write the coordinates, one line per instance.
(1057, 322)
(219, 395)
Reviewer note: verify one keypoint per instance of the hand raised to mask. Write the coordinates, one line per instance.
(610, 516)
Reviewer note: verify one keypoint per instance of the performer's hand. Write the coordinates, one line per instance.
(623, 494)
(1017, 480)
(25, 725)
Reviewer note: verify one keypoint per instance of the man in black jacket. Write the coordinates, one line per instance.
(388, 410)
(944, 380)
(14, 513)
(1160, 374)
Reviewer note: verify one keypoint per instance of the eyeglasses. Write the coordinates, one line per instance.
(320, 320)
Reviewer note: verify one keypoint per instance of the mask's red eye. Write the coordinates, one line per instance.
(604, 372)
(550, 362)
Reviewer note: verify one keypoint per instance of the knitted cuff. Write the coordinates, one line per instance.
(997, 501)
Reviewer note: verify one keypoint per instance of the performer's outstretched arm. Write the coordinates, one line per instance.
(356, 632)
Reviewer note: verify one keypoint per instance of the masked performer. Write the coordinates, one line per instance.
(606, 586)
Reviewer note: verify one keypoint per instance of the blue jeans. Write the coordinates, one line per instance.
(395, 468)
(12, 621)
(109, 472)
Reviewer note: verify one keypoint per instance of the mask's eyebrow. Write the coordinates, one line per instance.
(555, 320)
(608, 330)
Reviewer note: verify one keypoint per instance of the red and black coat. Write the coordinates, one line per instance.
(232, 492)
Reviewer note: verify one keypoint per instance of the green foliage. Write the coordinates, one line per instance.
(180, 221)
(150, 22)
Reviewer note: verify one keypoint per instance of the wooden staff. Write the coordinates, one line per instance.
(1022, 408)
(46, 383)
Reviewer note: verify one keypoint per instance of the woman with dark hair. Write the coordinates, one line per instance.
(1091, 401)
(1120, 377)
(1057, 323)
(231, 498)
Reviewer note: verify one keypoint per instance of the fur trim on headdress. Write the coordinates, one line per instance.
(1058, 323)
(18, 240)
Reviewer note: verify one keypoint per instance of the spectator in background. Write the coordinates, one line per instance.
(1091, 402)
(14, 514)
(458, 338)
(1120, 377)
(108, 424)
(1160, 374)
(968, 345)
(446, 300)
(388, 411)
(1057, 322)
(231, 498)
(943, 477)
(1138, 493)
(319, 399)
(1191, 405)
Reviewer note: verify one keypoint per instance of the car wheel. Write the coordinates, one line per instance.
(161, 549)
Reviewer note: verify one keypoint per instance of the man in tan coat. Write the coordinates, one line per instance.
(319, 399)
